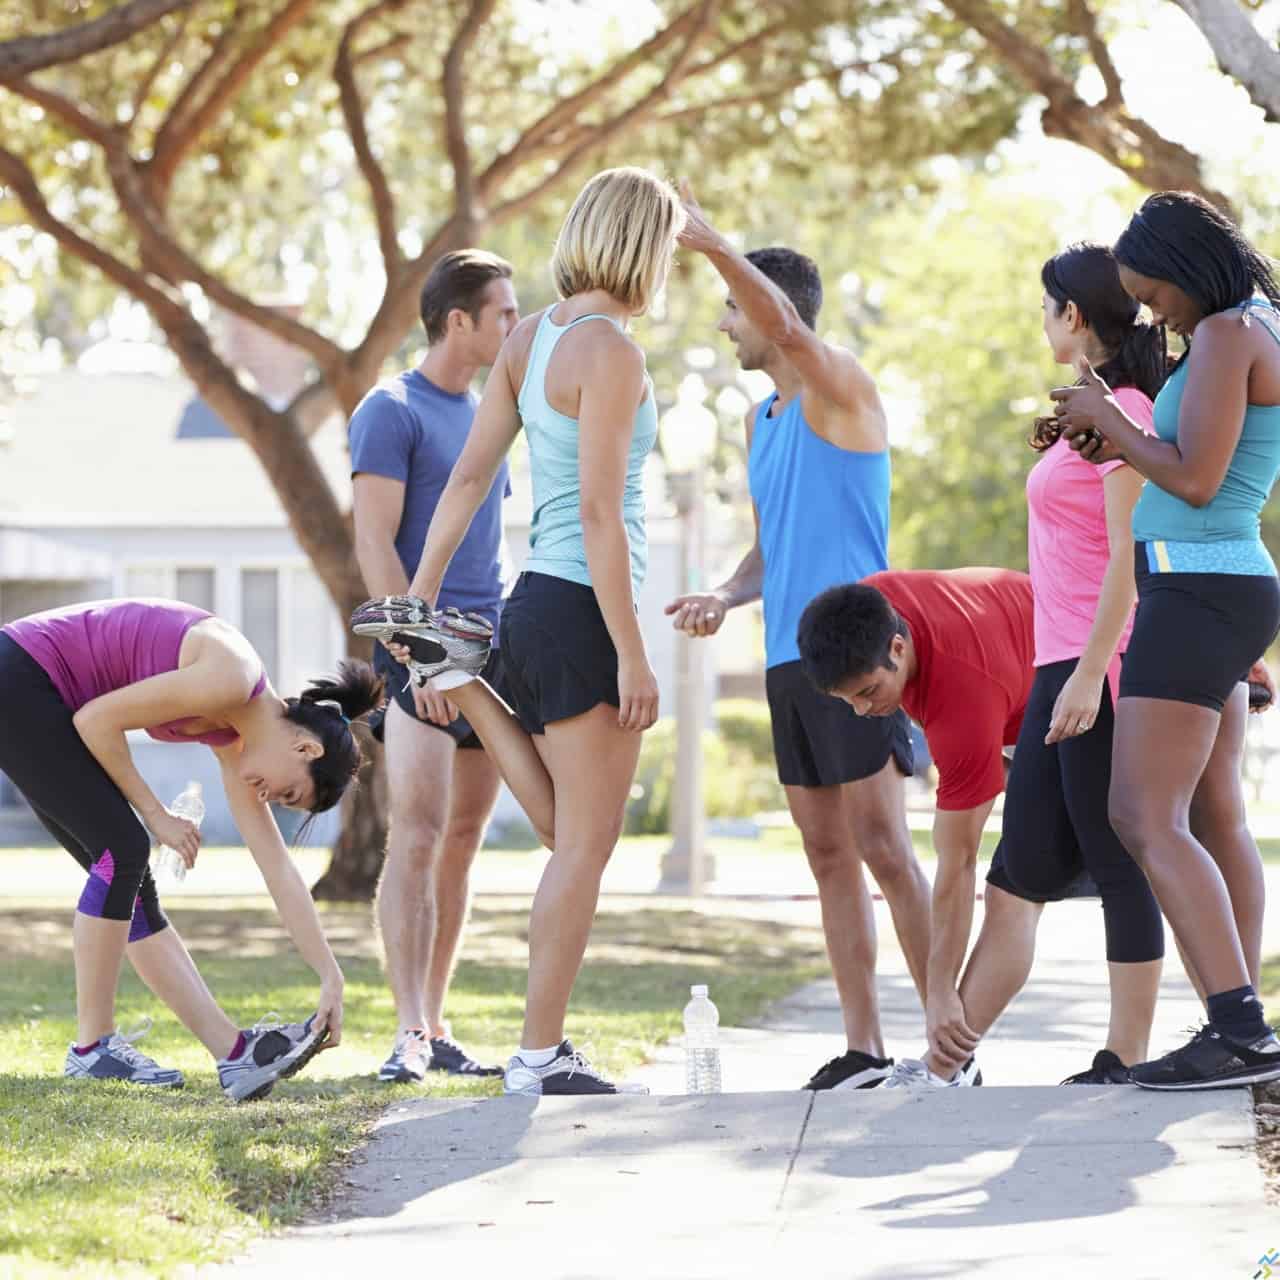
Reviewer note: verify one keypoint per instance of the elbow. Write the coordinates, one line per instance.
(1197, 494)
(599, 517)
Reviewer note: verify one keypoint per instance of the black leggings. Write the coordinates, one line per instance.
(70, 792)
(1056, 824)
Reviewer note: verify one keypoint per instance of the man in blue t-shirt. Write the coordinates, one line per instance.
(406, 435)
(818, 470)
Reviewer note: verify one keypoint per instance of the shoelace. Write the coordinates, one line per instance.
(909, 1073)
(578, 1063)
(268, 1022)
(122, 1043)
(417, 1040)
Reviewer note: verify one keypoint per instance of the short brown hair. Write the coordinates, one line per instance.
(458, 281)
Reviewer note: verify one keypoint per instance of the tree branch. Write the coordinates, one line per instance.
(162, 59)
(182, 137)
(68, 112)
(1240, 49)
(384, 207)
(455, 123)
(1086, 23)
(26, 54)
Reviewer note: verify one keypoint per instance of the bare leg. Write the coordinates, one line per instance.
(475, 788)
(98, 946)
(1220, 824)
(514, 753)
(589, 805)
(419, 782)
(848, 917)
(1134, 990)
(883, 840)
(164, 964)
(1150, 811)
(999, 965)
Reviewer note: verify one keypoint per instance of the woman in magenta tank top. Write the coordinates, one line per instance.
(73, 681)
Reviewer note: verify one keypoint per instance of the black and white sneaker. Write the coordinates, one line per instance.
(410, 1056)
(1107, 1069)
(439, 640)
(273, 1050)
(853, 1069)
(568, 1072)
(1212, 1060)
(449, 1056)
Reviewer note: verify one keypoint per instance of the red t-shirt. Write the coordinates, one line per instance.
(974, 637)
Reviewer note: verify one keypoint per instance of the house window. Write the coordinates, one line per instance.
(260, 615)
(191, 585)
(195, 586)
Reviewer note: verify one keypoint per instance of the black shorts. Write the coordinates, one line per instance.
(1056, 840)
(1197, 634)
(399, 692)
(820, 741)
(559, 657)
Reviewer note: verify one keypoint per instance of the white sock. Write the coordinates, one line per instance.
(537, 1057)
(451, 680)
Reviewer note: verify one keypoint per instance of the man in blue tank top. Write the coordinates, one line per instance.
(405, 435)
(818, 465)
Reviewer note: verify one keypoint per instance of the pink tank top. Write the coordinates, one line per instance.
(91, 649)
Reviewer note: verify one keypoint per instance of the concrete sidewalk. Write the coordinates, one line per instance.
(998, 1182)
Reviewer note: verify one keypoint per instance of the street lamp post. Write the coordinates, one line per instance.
(688, 436)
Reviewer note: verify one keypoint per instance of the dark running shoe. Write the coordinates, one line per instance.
(115, 1058)
(1106, 1069)
(568, 1072)
(410, 1056)
(449, 1056)
(852, 1070)
(1212, 1060)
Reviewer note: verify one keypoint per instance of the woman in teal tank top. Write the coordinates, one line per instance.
(570, 642)
(1208, 608)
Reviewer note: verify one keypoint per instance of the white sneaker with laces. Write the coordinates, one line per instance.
(115, 1058)
(409, 1060)
(568, 1073)
(273, 1050)
(911, 1073)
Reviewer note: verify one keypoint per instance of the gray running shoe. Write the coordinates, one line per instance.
(911, 1073)
(273, 1050)
(410, 1057)
(568, 1072)
(115, 1058)
(438, 639)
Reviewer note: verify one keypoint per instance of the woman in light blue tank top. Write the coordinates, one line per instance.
(1208, 608)
(571, 648)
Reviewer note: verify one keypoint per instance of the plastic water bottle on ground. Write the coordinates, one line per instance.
(701, 1043)
(167, 865)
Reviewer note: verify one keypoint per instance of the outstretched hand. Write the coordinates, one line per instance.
(698, 233)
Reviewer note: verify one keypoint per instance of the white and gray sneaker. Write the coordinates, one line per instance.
(911, 1073)
(115, 1058)
(439, 640)
(273, 1050)
(409, 1060)
(568, 1072)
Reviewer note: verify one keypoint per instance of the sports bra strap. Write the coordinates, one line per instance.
(594, 315)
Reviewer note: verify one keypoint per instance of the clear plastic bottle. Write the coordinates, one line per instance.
(701, 1043)
(167, 864)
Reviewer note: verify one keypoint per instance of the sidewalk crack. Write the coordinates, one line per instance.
(795, 1154)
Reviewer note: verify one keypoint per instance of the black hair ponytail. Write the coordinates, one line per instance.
(326, 707)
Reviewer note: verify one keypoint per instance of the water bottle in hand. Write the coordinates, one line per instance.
(168, 864)
(701, 1043)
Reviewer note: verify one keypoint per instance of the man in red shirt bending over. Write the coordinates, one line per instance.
(955, 649)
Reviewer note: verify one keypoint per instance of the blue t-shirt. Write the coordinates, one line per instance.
(408, 429)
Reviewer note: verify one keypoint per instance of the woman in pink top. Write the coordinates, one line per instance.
(1056, 834)
(73, 681)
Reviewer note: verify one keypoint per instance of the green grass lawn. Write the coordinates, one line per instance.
(98, 1179)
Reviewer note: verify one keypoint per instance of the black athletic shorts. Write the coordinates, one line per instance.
(558, 655)
(1197, 634)
(820, 741)
(398, 691)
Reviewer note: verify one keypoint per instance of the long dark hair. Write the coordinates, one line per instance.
(326, 708)
(1088, 275)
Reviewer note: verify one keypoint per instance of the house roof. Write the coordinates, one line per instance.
(105, 448)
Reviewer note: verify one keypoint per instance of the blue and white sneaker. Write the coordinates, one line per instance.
(273, 1050)
(911, 1073)
(409, 1060)
(115, 1058)
(568, 1072)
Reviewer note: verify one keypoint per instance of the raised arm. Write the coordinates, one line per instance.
(258, 829)
(495, 426)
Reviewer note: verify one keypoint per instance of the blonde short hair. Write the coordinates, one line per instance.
(619, 236)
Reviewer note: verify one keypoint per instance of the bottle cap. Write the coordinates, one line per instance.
(698, 989)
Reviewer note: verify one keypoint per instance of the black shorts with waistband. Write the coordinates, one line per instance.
(820, 741)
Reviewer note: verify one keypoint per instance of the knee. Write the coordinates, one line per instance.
(116, 876)
(415, 842)
(1138, 828)
(830, 855)
(1217, 810)
(887, 851)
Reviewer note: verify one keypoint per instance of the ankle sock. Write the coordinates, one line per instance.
(1237, 1014)
(236, 1049)
(537, 1057)
(81, 1049)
